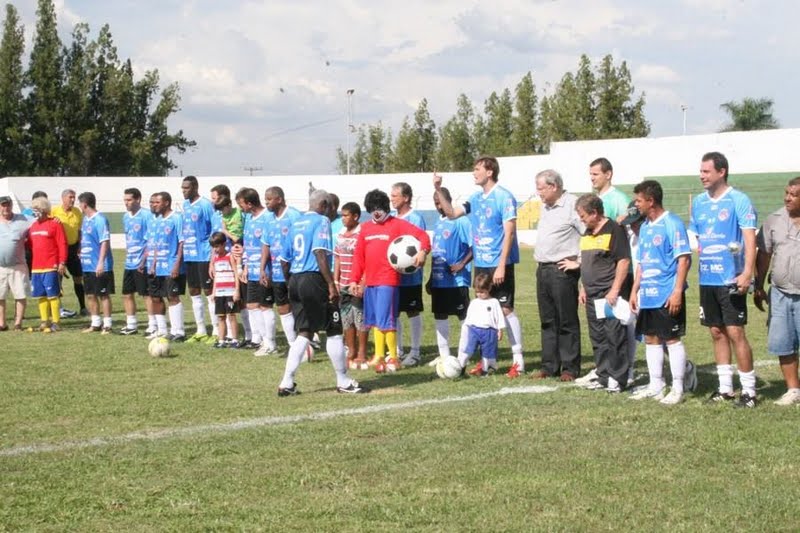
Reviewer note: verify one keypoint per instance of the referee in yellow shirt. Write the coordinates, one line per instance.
(71, 218)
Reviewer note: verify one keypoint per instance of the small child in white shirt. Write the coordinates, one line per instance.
(485, 324)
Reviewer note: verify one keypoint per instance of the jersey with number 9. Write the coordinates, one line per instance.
(308, 233)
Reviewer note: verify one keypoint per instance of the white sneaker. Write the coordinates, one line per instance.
(592, 385)
(690, 376)
(647, 392)
(673, 398)
(790, 397)
(631, 377)
(588, 378)
(409, 361)
(265, 350)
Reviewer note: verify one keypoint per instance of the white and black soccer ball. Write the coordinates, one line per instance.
(159, 347)
(448, 367)
(401, 252)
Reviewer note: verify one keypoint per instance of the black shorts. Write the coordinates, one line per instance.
(280, 293)
(659, 323)
(256, 293)
(224, 305)
(134, 282)
(308, 296)
(166, 286)
(73, 263)
(718, 307)
(411, 299)
(503, 292)
(450, 301)
(197, 276)
(95, 285)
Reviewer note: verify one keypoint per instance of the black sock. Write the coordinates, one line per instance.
(79, 293)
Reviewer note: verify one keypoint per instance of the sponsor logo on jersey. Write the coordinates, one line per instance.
(657, 240)
(714, 249)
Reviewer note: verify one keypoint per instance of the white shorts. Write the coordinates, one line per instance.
(14, 278)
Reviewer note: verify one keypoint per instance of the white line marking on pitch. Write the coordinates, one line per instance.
(258, 423)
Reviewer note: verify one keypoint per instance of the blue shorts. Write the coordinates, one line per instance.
(485, 338)
(381, 307)
(45, 284)
(784, 323)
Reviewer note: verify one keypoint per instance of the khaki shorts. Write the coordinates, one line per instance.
(15, 279)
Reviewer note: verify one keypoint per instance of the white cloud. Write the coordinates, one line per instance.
(648, 73)
(229, 136)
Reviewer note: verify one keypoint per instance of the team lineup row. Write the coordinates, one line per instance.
(325, 271)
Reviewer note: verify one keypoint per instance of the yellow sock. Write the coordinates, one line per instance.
(55, 309)
(44, 309)
(391, 343)
(380, 343)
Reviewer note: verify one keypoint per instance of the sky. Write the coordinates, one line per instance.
(264, 83)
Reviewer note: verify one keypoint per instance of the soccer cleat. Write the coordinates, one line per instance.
(646, 392)
(44, 327)
(66, 313)
(291, 391)
(177, 338)
(221, 344)
(745, 401)
(149, 331)
(690, 376)
(392, 365)
(233, 343)
(154, 335)
(673, 398)
(197, 337)
(375, 361)
(790, 397)
(380, 368)
(514, 371)
(265, 350)
(106, 330)
(212, 340)
(477, 370)
(359, 364)
(54, 327)
(90, 329)
(128, 331)
(720, 397)
(593, 385)
(410, 360)
(353, 388)
(583, 380)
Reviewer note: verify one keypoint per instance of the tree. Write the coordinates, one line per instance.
(750, 114)
(456, 151)
(415, 147)
(13, 156)
(615, 116)
(525, 127)
(43, 102)
(499, 111)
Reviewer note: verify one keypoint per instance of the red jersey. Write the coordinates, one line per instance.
(48, 245)
(369, 259)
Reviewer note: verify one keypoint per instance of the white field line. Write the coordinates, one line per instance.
(211, 429)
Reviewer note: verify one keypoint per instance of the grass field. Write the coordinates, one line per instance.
(97, 435)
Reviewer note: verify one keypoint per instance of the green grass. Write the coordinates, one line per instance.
(568, 460)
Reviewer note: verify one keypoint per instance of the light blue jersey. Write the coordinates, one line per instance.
(718, 224)
(136, 230)
(94, 232)
(661, 243)
(310, 232)
(412, 280)
(277, 228)
(197, 218)
(255, 227)
(487, 213)
(167, 236)
(452, 240)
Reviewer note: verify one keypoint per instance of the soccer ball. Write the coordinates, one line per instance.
(159, 347)
(448, 367)
(401, 252)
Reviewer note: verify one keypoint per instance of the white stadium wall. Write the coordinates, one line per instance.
(633, 159)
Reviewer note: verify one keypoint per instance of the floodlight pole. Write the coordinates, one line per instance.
(349, 124)
(684, 107)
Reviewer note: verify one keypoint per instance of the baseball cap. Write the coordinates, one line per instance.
(633, 215)
(5, 200)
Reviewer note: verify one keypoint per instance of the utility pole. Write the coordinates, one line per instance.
(684, 107)
(349, 124)
(253, 169)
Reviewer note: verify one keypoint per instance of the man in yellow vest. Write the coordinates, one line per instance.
(71, 218)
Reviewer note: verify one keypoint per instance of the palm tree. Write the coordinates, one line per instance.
(750, 114)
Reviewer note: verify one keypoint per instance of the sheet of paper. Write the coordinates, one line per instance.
(621, 310)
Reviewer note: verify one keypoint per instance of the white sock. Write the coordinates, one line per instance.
(293, 360)
(198, 309)
(463, 337)
(399, 337)
(748, 381)
(514, 332)
(107, 322)
(725, 374)
(212, 313)
(654, 353)
(677, 365)
(248, 333)
(161, 324)
(96, 321)
(256, 325)
(334, 345)
(416, 334)
(463, 359)
(176, 319)
(152, 323)
(268, 316)
(131, 322)
(443, 336)
(287, 323)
